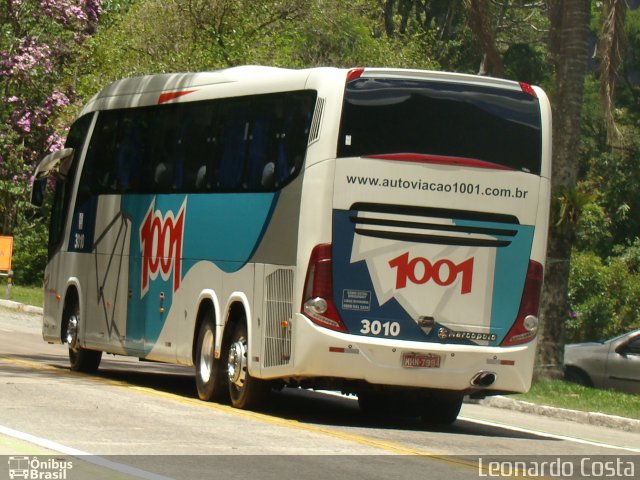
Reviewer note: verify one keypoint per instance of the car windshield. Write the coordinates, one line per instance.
(620, 336)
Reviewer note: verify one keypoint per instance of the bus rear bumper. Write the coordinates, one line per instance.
(320, 352)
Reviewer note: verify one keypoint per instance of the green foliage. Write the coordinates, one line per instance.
(567, 207)
(593, 232)
(628, 91)
(630, 255)
(527, 62)
(38, 45)
(156, 36)
(30, 253)
(604, 295)
(614, 170)
(616, 174)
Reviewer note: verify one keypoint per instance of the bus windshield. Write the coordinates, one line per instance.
(388, 116)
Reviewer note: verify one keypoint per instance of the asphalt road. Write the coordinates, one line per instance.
(143, 420)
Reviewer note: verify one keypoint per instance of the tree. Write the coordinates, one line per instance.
(38, 41)
(569, 46)
(480, 22)
(614, 12)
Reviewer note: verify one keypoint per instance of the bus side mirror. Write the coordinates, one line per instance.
(57, 164)
(37, 191)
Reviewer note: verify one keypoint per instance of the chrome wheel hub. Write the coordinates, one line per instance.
(71, 335)
(237, 363)
(206, 356)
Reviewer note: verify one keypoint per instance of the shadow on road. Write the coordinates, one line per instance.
(300, 405)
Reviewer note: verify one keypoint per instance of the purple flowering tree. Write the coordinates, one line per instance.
(39, 41)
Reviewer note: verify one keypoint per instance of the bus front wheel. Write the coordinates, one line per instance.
(209, 375)
(80, 359)
(246, 392)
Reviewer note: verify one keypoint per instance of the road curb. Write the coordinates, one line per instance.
(588, 418)
(20, 307)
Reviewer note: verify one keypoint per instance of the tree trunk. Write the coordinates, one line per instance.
(569, 42)
(480, 24)
(404, 9)
(388, 18)
(611, 46)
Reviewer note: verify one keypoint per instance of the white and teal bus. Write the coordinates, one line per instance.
(379, 232)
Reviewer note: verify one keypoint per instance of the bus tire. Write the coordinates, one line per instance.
(374, 403)
(80, 359)
(210, 378)
(441, 411)
(246, 392)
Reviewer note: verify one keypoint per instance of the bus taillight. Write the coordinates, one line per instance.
(317, 302)
(528, 89)
(525, 327)
(354, 74)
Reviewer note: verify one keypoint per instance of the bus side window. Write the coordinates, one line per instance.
(261, 140)
(181, 162)
(206, 178)
(129, 156)
(282, 166)
(234, 149)
(163, 165)
(212, 147)
(292, 141)
(99, 174)
(193, 144)
(64, 186)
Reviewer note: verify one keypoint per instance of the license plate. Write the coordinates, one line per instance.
(419, 360)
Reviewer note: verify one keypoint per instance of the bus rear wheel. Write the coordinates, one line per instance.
(430, 408)
(80, 359)
(209, 374)
(374, 403)
(246, 392)
(441, 411)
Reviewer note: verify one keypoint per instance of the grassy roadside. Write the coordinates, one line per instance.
(554, 393)
(557, 393)
(28, 295)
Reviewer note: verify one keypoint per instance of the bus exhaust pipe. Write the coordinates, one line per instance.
(484, 379)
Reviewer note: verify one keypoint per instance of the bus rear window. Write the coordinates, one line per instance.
(390, 116)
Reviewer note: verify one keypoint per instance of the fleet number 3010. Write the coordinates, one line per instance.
(376, 327)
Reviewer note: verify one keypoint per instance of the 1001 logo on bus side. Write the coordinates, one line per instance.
(161, 246)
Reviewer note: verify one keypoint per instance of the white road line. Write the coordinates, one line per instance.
(84, 456)
(547, 435)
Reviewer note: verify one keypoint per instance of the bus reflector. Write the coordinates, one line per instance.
(525, 327)
(317, 301)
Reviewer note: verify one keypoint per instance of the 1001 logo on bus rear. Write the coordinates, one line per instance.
(444, 272)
